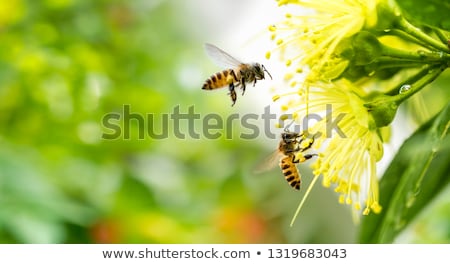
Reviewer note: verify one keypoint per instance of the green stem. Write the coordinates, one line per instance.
(389, 62)
(427, 77)
(403, 35)
(419, 34)
(411, 80)
(383, 107)
(441, 35)
(423, 56)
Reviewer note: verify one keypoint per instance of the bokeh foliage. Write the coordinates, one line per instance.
(64, 65)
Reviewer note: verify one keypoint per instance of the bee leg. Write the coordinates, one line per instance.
(254, 82)
(303, 158)
(307, 147)
(232, 93)
(308, 156)
(243, 87)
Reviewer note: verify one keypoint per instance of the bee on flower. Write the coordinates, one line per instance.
(346, 64)
(348, 156)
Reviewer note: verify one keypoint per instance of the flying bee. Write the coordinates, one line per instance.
(236, 74)
(290, 151)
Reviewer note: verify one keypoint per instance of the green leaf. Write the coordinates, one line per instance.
(415, 176)
(430, 12)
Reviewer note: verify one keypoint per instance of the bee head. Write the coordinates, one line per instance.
(289, 137)
(259, 71)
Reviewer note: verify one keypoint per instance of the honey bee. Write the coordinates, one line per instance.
(289, 153)
(236, 74)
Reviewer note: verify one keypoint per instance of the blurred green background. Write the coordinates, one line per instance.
(64, 65)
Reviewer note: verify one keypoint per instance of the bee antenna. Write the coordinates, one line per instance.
(286, 129)
(264, 68)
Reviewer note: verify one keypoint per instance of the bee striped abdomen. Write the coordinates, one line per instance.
(290, 172)
(219, 80)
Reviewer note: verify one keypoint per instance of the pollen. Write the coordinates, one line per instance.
(288, 76)
(288, 63)
(306, 143)
(326, 182)
(284, 117)
(268, 54)
(276, 97)
(272, 28)
(376, 208)
(279, 42)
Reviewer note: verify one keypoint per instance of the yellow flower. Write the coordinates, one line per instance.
(312, 39)
(349, 145)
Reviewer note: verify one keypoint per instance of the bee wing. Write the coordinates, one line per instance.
(269, 162)
(220, 57)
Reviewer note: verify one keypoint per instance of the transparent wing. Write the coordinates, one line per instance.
(220, 57)
(268, 163)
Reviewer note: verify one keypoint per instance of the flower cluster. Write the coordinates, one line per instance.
(336, 54)
(348, 156)
(319, 35)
